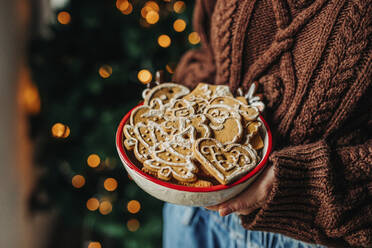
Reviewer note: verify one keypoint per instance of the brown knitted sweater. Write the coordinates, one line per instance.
(312, 59)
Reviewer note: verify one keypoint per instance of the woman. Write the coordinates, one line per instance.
(312, 61)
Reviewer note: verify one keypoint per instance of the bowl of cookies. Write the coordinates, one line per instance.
(196, 148)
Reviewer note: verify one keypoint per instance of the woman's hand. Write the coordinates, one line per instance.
(251, 198)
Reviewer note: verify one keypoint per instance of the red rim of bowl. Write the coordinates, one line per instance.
(124, 157)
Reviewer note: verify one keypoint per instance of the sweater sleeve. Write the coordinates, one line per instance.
(197, 65)
(322, 194)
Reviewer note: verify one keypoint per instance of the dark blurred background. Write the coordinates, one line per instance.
(80, 66)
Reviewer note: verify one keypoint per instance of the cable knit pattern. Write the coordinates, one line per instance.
(222, 35)
(332, 82)
(316, 78)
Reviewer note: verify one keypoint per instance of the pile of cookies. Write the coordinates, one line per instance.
(199, 138)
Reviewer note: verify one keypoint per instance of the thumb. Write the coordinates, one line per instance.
(245, 201)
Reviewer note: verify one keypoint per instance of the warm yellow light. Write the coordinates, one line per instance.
(93, 160)
(164, 40)
(149, 6)
(144, 76)
(78, 181)
(179, 6)
(60, 130)
(128, 10)
(105, 207)
(153, 5)
(194, 38)
(64, 17)
(92, 204)
(110, 184)
(133, 225)
(152, 17)
(169, 69)
(179, 25)
(133, 206)
(94, 245)
(29, 95)
(105, 71)
(122, 4)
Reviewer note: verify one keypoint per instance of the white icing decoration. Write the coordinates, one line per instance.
(181, 91)
(250, 135)
(173, 125)
(254, 100)
(218, 114)
(233, 169)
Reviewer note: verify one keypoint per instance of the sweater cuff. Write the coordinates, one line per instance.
(290, 208)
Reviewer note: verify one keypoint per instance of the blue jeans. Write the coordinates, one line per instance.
(189, 227)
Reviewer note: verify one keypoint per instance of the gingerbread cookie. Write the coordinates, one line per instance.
(225, 123)
(252, 129)
(175, 125)
(196, 139)
(198, 183)
(142, 138)
(256, 142)
(153, 112)
(169, 164)
(165, 92)
(201, 95)
(225, 162)
(249, 113)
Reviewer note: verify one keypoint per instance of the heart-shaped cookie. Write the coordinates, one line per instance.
(225, 162)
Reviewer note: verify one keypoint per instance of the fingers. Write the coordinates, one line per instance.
(250, 199)
(214, 208)
(245, 201)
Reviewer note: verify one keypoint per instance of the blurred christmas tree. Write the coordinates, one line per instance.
(89, 72)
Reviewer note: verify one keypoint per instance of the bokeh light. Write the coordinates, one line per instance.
(29, 95)
(179, 25)
(133, 225)
(64, 17)
(170, 68)
(122, 4)
(60, 130)
(179, 7)
(149, 6)
(93, 160)
(105, 207)
(164, 40)
(152, 17)
(78, 181)
(144, 76)
(133, 206)
(152, 5)
(105, 71)
(110, 184)
(128, 10)
(194, 38)
(95, 245)
(92, 204)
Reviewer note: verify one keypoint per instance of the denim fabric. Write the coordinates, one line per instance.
(189, 227)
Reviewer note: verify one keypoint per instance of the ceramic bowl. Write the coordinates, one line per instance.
(185, 195)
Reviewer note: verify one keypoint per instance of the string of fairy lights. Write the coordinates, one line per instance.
(150, 15)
